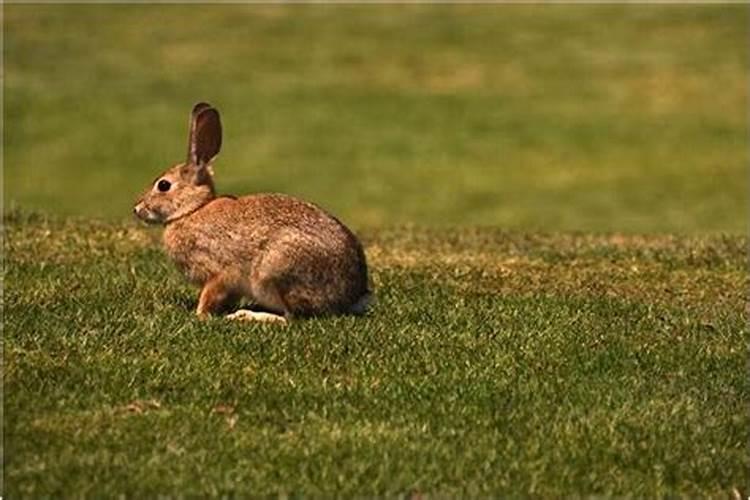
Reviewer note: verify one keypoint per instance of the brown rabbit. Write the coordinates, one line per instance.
(287, 256)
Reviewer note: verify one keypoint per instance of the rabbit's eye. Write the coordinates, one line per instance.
(163, 185)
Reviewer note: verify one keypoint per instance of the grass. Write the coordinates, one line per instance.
(571, 117)
(494, 363)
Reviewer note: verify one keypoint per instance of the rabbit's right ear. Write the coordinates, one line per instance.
(204, 140)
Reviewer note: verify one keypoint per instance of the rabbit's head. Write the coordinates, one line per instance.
(187, 186)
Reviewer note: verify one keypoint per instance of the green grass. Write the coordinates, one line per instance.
(571, 117)
(493, 363)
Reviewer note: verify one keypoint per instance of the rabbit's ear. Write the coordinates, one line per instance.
(204, 141)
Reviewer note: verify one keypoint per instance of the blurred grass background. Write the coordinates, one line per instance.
(598, 118)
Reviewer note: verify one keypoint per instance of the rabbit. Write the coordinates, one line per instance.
(287, 256)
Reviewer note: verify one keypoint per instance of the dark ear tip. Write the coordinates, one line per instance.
(201, 106)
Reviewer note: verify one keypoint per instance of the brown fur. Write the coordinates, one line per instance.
(286, 255)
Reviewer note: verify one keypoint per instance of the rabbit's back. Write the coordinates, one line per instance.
(296, 243)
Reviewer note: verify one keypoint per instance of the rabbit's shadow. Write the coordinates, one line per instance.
(190, 304)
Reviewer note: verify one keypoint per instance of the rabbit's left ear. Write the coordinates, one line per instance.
(204, 142)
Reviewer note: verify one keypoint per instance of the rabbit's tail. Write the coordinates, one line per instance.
(360, 307)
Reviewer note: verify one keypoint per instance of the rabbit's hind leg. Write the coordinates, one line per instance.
(266, 292)
(222, 293)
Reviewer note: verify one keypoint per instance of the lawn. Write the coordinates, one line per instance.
(493, 363)
(552, 200)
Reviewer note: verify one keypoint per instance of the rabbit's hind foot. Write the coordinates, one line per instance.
(263, 317)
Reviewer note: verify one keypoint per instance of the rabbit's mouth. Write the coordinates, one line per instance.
(147, 215)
